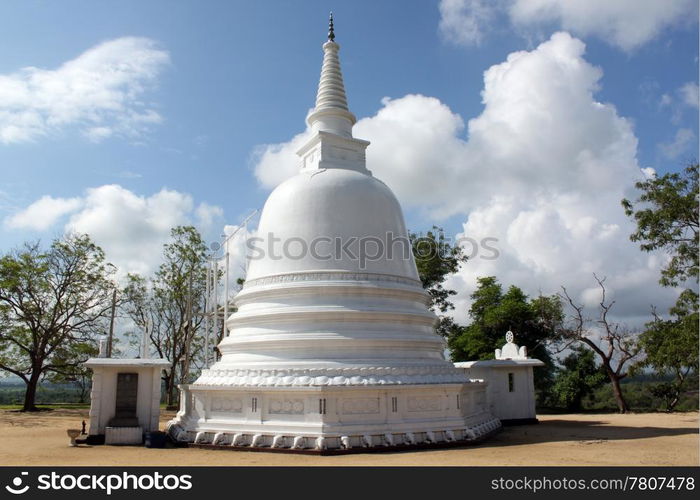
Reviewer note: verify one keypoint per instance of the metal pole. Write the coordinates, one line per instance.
(188, 334)
(207, 306)
(245, 235)
(226, 289)
(144, 341)
(111, 324)
(214, 308)
(216, 303)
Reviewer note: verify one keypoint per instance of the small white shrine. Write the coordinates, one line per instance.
(327, 351)
(125, 397)
(511, 389)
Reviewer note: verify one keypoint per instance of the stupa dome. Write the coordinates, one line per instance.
(329, 220)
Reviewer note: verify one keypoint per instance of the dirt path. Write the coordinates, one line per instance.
(603, 439)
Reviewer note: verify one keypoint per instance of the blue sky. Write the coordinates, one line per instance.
(216, 81)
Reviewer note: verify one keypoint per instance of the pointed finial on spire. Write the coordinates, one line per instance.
(331, 34)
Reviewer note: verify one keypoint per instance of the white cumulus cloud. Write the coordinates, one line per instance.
(277, 162)
(542, 169)
(208, 215)
(130, 228)
(627, 24)
(99, 92)
(43, 213)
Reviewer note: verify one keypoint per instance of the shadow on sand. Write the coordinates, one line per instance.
(582, 431)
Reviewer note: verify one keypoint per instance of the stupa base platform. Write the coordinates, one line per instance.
(333, 418)
(348, 451)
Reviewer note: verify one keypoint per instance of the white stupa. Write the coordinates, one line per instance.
(328, 350)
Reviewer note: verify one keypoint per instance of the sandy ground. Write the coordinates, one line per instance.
(635, 439)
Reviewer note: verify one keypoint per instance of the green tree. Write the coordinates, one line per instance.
(577, 379)
(671, 348)
(53, 304)
(77, 374)
(535, 323)
(436, 258)
(169, 306)
(666, 214)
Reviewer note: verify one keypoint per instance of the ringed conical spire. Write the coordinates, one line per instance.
(331, 113)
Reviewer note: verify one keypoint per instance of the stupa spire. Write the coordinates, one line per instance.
(331, 34)
(331, 113)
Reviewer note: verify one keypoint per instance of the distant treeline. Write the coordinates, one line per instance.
(13, 394)
(640, 392)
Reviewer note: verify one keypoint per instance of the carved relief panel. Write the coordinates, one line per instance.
(356, 406)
